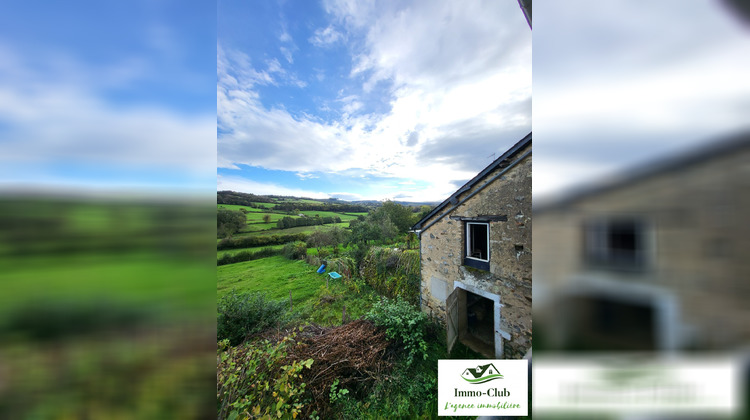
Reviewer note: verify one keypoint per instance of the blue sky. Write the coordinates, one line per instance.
(108, 96)
(365, 100)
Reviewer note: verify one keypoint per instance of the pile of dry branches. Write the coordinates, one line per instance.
(354, 353)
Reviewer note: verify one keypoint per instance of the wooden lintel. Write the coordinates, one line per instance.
(500, 218)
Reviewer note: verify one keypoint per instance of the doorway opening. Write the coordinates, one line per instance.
(473, 317)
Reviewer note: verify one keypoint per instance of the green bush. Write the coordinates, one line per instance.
(296, 250)
(403, 324)
(244, 314)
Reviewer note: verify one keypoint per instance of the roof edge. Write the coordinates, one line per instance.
(513, 151)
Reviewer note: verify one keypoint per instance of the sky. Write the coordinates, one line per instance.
(406, 100)
(108, 96)
(368, 100)
(626, 83)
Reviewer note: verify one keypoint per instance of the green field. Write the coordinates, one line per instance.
(258, 227)
(258, 217)
(237, 208)
(277, 276)
(313, 213)
(266, 205)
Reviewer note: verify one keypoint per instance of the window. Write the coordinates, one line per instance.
(618, 244)
(477, 245)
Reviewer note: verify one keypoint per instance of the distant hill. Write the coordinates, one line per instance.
(288, 203)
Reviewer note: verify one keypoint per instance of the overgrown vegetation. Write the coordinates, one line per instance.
(256, 380)
(243, 314)
(364, 349)
(392, 272)
(404, 324)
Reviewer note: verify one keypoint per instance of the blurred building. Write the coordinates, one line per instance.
(655, 260)
(476, 258)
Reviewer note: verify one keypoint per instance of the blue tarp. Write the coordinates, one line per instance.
(322, 269)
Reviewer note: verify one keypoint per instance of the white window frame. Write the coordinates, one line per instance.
(468, 240)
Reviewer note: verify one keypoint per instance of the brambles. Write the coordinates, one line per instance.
(241, 315)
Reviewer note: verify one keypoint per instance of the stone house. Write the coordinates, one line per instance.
(476, 258)
(654, 260)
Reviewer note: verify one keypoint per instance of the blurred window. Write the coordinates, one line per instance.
(617, 243)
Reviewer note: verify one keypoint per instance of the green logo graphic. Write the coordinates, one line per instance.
(481, 374)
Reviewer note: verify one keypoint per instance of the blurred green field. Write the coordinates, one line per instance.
(172, 287)
(106, 308)
(146, 254)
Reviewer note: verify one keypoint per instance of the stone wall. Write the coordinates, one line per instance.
(442, 249)
(696, 217)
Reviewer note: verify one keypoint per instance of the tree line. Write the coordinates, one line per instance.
(340, 208)
(289, 222)
(240, 199)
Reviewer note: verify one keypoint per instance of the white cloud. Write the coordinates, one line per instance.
(65, 117)
(325, 36)
(274, 66)
(449, 66)
(287, 54)
(304, 176)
